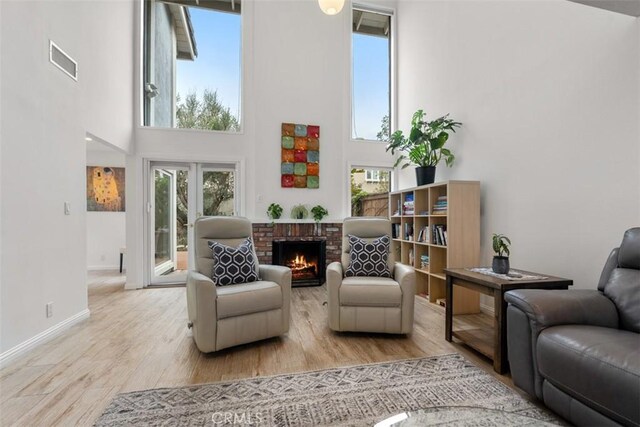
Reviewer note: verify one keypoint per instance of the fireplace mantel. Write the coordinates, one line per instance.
(265, 233)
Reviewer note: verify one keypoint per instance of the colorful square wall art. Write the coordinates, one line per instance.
(300, 156)
(105, 189)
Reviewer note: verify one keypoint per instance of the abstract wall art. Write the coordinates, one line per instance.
(105, 189)
(300, 161)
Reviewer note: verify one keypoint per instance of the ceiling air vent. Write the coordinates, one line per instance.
(63, 61)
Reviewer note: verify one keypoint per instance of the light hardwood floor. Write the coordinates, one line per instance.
(136, 340)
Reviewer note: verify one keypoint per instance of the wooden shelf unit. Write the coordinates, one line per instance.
(462, 221)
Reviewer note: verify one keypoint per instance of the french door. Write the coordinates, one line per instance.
(178, 193)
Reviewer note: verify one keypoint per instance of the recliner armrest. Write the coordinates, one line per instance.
(282, 276)
(531, 311)
(334, 281)
(201, 302)
(276, 273)
(406, 278)
(562, 307)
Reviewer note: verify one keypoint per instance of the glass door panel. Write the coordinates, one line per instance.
(163, 227)
(178, 194)
(218, 191)
(170, 222)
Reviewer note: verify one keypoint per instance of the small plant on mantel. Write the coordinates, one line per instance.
(274, 211)
(501, 245)
(299, 212)
(318, 212)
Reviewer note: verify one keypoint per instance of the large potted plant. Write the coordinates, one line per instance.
(424, 146)
(500, 262)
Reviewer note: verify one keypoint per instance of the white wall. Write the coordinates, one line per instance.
(44, 116)
(548, 92)
(106, 231)
(296, 69)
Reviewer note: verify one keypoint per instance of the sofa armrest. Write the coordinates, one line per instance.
(282, 276)
(406, 277)
(546, 308)
(334, 281)
(530, 311)
(201, 307)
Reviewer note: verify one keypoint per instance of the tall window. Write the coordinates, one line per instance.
(371, 71)
(370, 189)
(192, 64)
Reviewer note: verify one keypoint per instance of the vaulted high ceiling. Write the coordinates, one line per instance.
(628, 7)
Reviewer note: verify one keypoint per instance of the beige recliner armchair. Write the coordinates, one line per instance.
(370, 304)
(225, 316)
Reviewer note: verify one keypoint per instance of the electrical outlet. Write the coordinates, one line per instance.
(67, 208)
(259, 198)
(50, 309)
(102, 257)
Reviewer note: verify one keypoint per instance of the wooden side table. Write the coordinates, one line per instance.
(492, 345)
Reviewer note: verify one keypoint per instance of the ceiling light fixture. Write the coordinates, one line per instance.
(331, 7)
(87, 138)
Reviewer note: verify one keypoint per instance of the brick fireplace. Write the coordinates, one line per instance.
(264, 234)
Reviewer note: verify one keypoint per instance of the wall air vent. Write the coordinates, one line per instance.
(63, 61)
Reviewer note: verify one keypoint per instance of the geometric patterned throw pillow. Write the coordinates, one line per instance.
(233, 265)
(368, 258)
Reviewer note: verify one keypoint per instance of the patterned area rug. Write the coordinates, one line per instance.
(352, 396)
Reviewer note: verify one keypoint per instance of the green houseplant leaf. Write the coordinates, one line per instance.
(274, 211)
(500, 244)
(425, 144)
(318, 212)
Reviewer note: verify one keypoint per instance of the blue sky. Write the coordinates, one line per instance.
(217, 67)
(370, 84)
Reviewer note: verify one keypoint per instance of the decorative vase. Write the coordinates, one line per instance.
(500, 264)
(425, 175)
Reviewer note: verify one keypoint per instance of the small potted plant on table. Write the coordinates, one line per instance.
(500, 263)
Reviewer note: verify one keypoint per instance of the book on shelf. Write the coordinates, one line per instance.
(395, 231)
(408, 231)
(408, 205)
(439, 235)
(424, 262)
(423, 235)
(411, 258)
(440, 206)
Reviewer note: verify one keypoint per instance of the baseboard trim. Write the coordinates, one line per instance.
(43, 337)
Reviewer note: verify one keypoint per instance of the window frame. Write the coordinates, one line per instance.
(145, 68)
(372, 175)
(391, 12)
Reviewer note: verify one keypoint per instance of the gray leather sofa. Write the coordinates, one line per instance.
(226, 316)
(370, 304)
(579, 350)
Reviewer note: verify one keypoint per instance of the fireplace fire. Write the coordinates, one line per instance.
(306, 259)
(301, 269)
